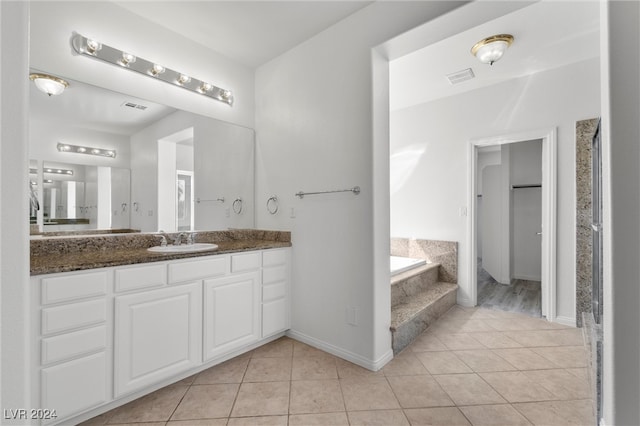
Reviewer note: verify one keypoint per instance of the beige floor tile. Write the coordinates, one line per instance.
(517, 387)
(282, 347)
(495, 340)
(187, 381)
(231, 371)
(460, 341)
(419, 392)
(427, 342)
(152, 423)
(348, 370)
(494, 415)
(100, 420)
(565, 357)
(206, 402)
(468, 389)
(268, 370)
(525, 359)
(155, 407)
(441, 416)
(457, 312)
(404, 364)
(377, 418)
(368, 394)
(558, 413)
(582, 373)
(314, 368)
(539, 338)
(259, 421)
(200, 422)
(315, 396)
(324, 419)
(262, 399)
(442, 363)
(303, 350)
(484, 361)
(561, 383)
(470, 325)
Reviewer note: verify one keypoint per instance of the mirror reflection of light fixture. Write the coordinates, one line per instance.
(490, 49)
(93, 49)
(65, 147)
(48, 84)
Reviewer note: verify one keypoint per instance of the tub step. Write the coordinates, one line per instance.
(404, 286)
(410, 318)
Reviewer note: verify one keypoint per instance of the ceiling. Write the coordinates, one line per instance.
(548, 34)
(248, 32)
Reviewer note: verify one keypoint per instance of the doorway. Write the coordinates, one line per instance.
(508, 228)
(510, 260)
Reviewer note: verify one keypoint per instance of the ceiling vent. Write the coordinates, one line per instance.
(460, 76)
(134, 106)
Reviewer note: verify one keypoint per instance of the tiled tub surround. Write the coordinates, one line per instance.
(423, 294)
(64, 254)
(443, 252)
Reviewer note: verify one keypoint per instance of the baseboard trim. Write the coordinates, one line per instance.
(464, 301)
(568, 321)
(373, 365)
(527, 278)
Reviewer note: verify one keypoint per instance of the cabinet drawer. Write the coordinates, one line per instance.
(274, 257)
(274, 291)
(70, 345)
(274, 317)
(274, 274)
(196, 269)
(75, 386)
(141, 277)
(67, 317)
(73, 287)
(246, 261)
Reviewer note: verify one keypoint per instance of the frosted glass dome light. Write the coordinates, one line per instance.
(49, 84)
(490, 49)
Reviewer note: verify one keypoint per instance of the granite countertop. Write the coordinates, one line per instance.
(53, 255)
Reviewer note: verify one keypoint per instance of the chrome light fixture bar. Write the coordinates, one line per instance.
(58, 171)
(94, 49)
(65, 147)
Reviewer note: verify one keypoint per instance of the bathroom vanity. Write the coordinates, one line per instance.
(106, 335)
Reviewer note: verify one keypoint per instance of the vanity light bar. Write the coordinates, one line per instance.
(58, 171)
(94, 49)
(65, 147)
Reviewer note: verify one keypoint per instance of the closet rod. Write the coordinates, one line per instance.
(533, 185)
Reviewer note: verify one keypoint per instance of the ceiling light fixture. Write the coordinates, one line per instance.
(490, 49)
(48, 84)
(65, 147)
(93, 49)
(59, 171)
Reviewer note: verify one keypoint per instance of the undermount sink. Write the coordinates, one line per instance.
(185, 248)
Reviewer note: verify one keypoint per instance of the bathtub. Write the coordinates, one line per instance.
(403, 264)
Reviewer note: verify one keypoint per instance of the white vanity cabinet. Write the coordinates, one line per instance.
(157, 335)
(70, 328)
(106, 335)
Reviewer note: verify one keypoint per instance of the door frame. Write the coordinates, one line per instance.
(549, 210)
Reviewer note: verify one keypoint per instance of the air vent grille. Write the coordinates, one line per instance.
(134, 106)
(460, 76)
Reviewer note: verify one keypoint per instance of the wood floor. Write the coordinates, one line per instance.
(521, 296)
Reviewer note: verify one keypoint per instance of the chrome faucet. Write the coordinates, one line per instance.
(191, 238)
(178, 239)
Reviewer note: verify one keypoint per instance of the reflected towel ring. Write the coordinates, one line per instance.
(272, 205)
(237, 206)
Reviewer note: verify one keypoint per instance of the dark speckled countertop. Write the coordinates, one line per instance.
(64, 254)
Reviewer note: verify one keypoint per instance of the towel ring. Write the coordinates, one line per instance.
(237, 205)
(272, 205)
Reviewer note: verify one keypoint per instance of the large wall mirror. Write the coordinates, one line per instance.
(171, 170)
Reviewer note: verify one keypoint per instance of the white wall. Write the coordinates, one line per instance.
(53, 22)
(621, 177)
(314, 132)
(556, 98)
(485, 158)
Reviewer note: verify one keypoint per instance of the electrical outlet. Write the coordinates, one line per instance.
(292, 213)
(352, 315)
(227, 212)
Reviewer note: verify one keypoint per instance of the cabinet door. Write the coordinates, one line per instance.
(157, 335)
(231, 313)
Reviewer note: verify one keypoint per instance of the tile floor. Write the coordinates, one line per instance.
(475, 366)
